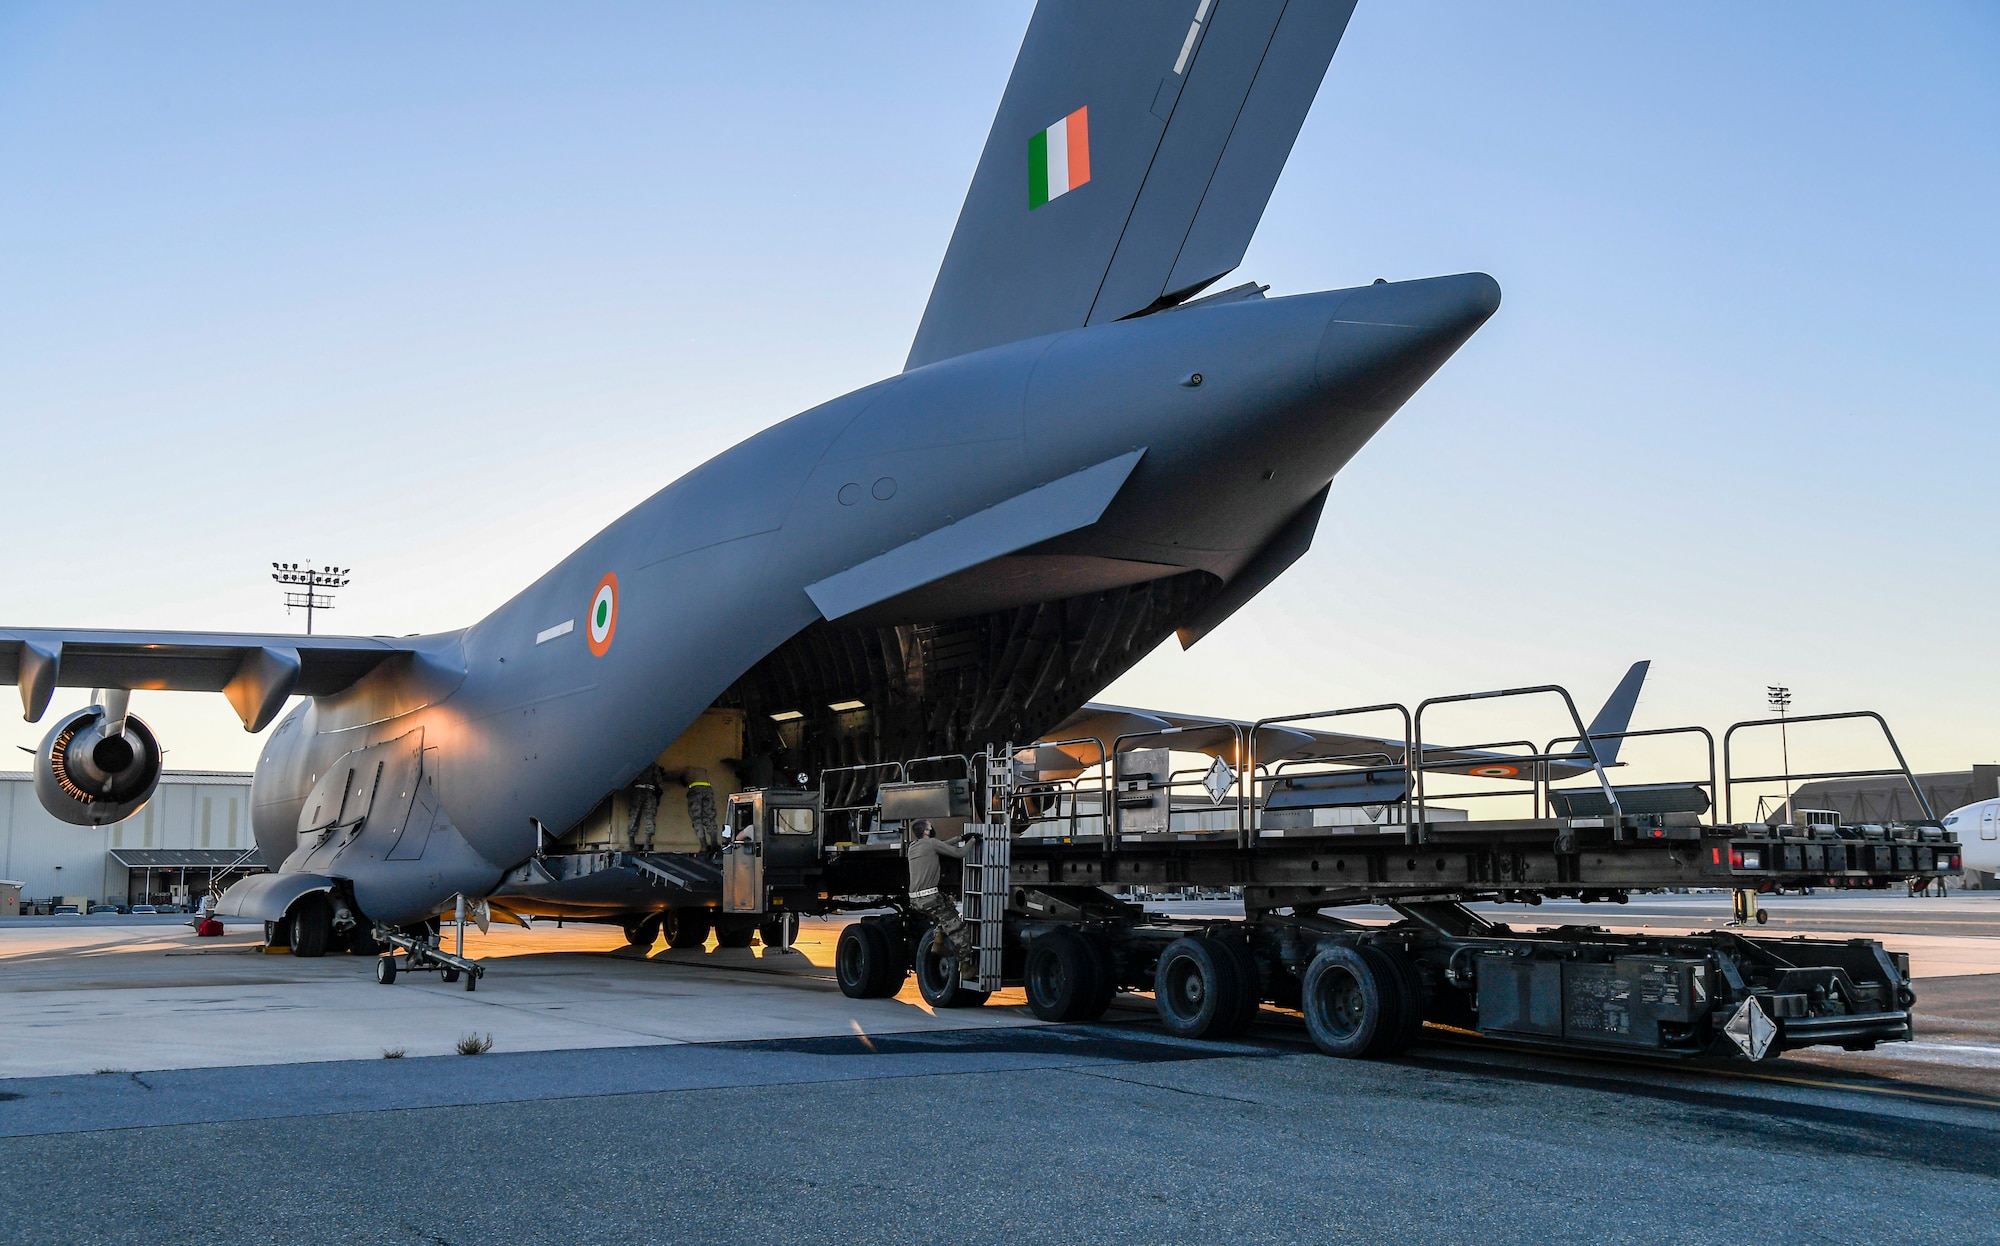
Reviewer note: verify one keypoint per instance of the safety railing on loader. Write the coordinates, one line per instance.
(1259, 778)
(1709, 788)
(1731, 781)
(1538, 760)
(1124, 788)
(1049, 802)
(1132, 791)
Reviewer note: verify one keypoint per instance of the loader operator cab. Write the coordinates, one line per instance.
(773, 844)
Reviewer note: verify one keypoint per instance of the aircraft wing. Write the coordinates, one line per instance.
(1130, 161)
(1073, 745)
(256, 673)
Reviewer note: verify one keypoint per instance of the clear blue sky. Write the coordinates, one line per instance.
(437, 291)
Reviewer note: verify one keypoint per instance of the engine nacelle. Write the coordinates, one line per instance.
(89, 776)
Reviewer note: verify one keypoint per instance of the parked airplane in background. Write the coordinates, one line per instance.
(1978, 827)
(1080, 459)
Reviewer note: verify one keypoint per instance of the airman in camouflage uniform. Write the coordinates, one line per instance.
(928, 899)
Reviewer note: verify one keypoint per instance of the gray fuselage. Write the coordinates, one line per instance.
(536, 712)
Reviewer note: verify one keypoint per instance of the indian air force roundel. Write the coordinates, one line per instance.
(604, 614)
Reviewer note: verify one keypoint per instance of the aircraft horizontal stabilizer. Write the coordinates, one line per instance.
(1064, 505)
(256, 673)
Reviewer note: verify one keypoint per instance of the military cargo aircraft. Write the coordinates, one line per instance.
(1086, 453)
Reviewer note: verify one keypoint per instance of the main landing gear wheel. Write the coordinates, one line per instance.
(687, 928)
(937, 976)
(1353, 1001)
(1067, 977)
(385, 970)
(779, 931)
(1198, 987)
(865, 963)
(312, 926)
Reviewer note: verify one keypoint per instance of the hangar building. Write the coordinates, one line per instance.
(195, 830)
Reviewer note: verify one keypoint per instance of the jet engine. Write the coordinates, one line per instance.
(98, 765)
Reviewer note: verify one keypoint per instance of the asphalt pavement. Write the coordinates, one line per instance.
(736, 1096)
(1099, 1134)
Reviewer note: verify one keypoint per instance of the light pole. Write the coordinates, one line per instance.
(312, 581)
(1779, 698)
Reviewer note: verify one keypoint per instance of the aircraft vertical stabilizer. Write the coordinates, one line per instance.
(1616, 716)
(1131, 159)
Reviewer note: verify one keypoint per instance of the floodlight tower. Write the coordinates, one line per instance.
(312, 580)
(1779, 698)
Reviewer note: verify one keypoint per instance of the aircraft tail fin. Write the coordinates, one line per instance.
(1132, 156)
(1616, 715)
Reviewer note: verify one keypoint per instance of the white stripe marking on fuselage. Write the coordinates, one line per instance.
(1187, 45)
(547, 634)
(1059, 158)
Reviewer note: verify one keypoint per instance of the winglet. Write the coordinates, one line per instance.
(1616, 716)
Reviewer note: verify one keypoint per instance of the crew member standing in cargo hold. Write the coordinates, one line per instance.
(926, 898)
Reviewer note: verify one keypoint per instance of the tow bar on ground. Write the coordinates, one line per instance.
(426, 955)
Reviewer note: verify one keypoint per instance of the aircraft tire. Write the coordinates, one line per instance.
(312, 925)
(1061, 976)
(937, 978)
(687, 928)
(1345, 1001)
(1198, 987)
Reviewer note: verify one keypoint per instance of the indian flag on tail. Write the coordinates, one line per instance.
(1059, 158)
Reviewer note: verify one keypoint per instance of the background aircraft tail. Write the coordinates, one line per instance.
(1133, 154)
(1616, 715)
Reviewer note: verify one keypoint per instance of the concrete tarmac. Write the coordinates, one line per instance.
(733, 1096)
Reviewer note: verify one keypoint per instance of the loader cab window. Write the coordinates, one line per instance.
(742, 818)
(792, 821)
